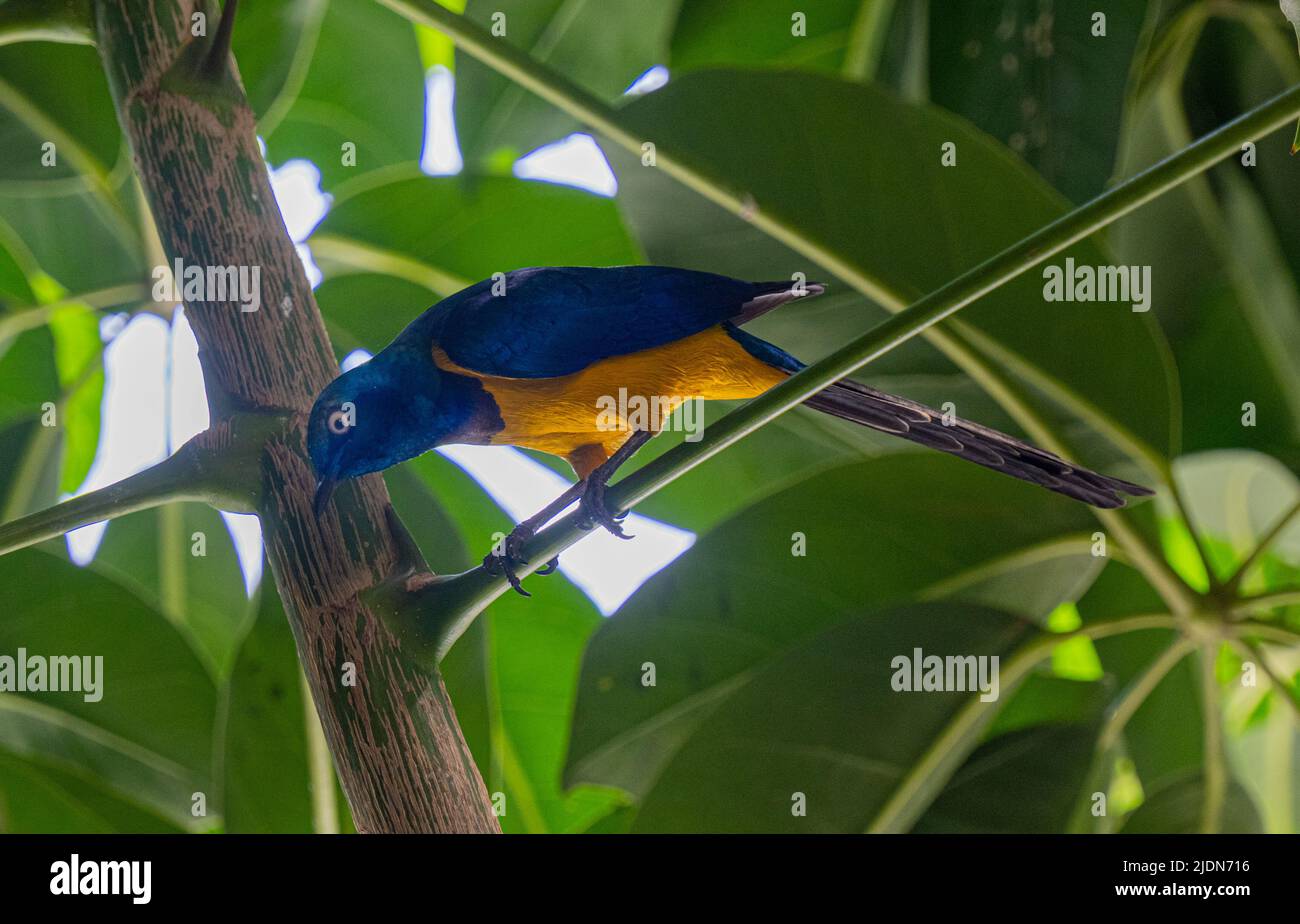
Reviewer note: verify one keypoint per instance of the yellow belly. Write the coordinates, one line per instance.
(586, 416)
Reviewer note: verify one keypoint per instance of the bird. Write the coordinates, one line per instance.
(529, 357)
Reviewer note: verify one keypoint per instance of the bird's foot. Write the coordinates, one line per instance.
(507, 556)
(595, 511)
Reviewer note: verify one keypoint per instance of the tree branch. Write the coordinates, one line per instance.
(217, 466)
(399, 753)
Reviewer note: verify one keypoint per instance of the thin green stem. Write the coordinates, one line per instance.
(1269, 631)
(867, 39)
(1132, 699)
(1251, 651)
(1286, 596)
(1215, 765)
(946, 752)
(1234, 582)
(219, 467)
(1185, 514)
(17, 322)
(320, 766)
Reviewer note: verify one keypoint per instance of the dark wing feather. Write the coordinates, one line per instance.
(554, 321)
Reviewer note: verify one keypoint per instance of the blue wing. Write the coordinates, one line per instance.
(553, 321)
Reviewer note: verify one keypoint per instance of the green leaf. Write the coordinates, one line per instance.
(1164, 737)
(155, 554)
(1225, 291)
(83, 764)
(74, 113)
(43, 800)
(879, 197)
(353, 93)
(1235, 497)
(1037, 79)
(1025, 781)
(264, 763)
(513, 675)
(1176, 809)
(761, 33)
(274, 44)
(78, 352)
(602, 51)
(820, 719)
(155, 692)
(915, 526)
(444, 233)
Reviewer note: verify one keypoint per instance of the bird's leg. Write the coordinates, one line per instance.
(593, 493)
(505, 557)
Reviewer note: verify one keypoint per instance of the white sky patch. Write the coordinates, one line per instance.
(296, 185)
(354, 359)
(608, 569)
(143, 420)
(441, 156)
(575, 161)
(648, 82)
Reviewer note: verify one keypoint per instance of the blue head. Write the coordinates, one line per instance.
(376, 415)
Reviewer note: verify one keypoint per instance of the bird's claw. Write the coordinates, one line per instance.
(597, 513)
(508, 556)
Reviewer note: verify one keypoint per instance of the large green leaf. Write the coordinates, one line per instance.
(1026, 781)
(876, 193)
(274, 44)
(444, 233)
(821, 719)
(603, 46)
(1177, 808)
(722, 33)
(78, 352)
(513, 675)
(90, 780)
(156, 554)
(157, 705)
(43, 800)
(1034, 76)
(1225, 291)
(877, 532)
(364, 85)
(265, 770)
(74, 113)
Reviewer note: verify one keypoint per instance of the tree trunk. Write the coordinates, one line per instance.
(396, 745)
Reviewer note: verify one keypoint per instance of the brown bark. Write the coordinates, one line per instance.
(396, 745)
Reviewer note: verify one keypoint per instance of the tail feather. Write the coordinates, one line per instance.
(864, 405)
(770, 295)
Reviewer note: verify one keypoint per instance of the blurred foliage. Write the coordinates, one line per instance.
(771, 669)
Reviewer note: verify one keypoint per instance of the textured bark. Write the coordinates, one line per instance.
(399, 752)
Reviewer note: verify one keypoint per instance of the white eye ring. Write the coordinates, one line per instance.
(338, 423)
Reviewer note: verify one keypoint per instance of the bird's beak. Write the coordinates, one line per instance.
(324, 490)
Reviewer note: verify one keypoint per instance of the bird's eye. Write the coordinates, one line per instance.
(339, 422)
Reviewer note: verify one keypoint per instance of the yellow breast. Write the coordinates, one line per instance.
(598, 407)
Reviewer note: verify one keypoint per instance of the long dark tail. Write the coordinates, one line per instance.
(864, 405)
(887, 413)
